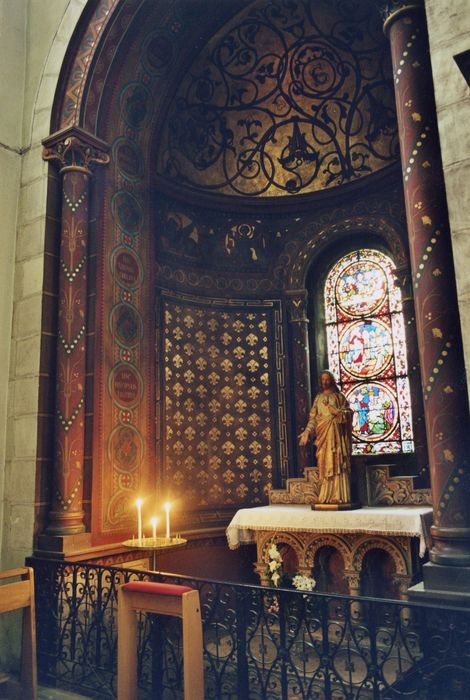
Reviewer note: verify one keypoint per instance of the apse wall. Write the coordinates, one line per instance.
(164, 269)
(169, 242)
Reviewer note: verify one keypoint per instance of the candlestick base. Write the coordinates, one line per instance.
(154, 544)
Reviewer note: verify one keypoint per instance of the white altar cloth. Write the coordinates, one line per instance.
(408, 521)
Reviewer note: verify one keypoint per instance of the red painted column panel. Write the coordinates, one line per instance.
(435, 296)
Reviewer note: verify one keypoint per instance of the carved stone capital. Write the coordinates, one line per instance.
(353, 578)
(390, 10)
(297, 305)
(75, 149)
(403, 280)
(403, 582)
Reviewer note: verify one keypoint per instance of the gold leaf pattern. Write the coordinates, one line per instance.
(214, 462)
(437, 333)
(217, 399)
(201, 419)
(214, 434)
(251, 339)
(226, 365)
(253, 365)
(253, 392)
(227, 393)
(177, 361)
(190, 433)
(228, 476)
(201, 364)
(201, 391)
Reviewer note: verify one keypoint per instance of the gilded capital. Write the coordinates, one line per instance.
(75, 149)
(297, 306)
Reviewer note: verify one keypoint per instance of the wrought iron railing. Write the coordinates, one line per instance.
(259, 644)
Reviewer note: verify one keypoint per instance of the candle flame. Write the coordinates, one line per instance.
(139, 502)
(154, 521)
(167, 506)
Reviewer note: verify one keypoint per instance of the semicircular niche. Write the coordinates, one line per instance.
(288, 97)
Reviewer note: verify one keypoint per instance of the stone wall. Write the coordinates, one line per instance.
(449, 35)
(35, 36)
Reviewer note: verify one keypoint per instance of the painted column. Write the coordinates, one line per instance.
(437, 318)
(75, 151)
(298, 331)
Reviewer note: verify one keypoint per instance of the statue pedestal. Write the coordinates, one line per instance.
(336, 506)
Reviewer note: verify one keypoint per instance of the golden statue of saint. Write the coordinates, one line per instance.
(330, 422)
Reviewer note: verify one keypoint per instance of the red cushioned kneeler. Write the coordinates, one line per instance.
(163, 599)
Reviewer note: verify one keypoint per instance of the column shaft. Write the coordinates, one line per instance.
(436, 306)
(298, 327)
(75, 153)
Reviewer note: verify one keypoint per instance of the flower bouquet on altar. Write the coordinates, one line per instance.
(278, 578)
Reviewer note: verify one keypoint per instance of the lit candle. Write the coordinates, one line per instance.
(166, 508)
(154, 522)
(139, 519)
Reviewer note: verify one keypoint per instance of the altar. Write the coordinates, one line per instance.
(402, 532)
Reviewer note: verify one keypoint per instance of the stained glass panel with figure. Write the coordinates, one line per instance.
(367, 350)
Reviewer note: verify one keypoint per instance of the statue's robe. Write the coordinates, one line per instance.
(333, 438)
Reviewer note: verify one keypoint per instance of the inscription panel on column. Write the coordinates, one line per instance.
(220, 403)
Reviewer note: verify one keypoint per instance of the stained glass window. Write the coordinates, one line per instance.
(367, 350)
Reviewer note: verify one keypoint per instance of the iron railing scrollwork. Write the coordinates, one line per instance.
(259, 643)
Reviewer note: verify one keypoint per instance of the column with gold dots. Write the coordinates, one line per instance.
(75, 151)
(435, 296)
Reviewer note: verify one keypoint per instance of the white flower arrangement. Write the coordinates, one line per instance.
(275, 575)
(273, 571)
(303, 583)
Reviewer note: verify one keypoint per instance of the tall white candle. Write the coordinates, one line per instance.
(166, 508)
(154, 522)
(139, 519)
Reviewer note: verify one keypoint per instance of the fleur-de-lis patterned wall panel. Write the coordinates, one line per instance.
(288, 97)
(222, 403)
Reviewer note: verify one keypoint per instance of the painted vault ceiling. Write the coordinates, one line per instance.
(289, 97)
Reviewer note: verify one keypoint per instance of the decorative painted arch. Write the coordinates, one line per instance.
(328, 540)
(100, 79)
(393, 550)
(288, 538)
(343, 231)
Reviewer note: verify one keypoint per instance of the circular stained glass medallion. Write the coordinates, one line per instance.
(375, 411)
(361, 288)
(366, 348)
